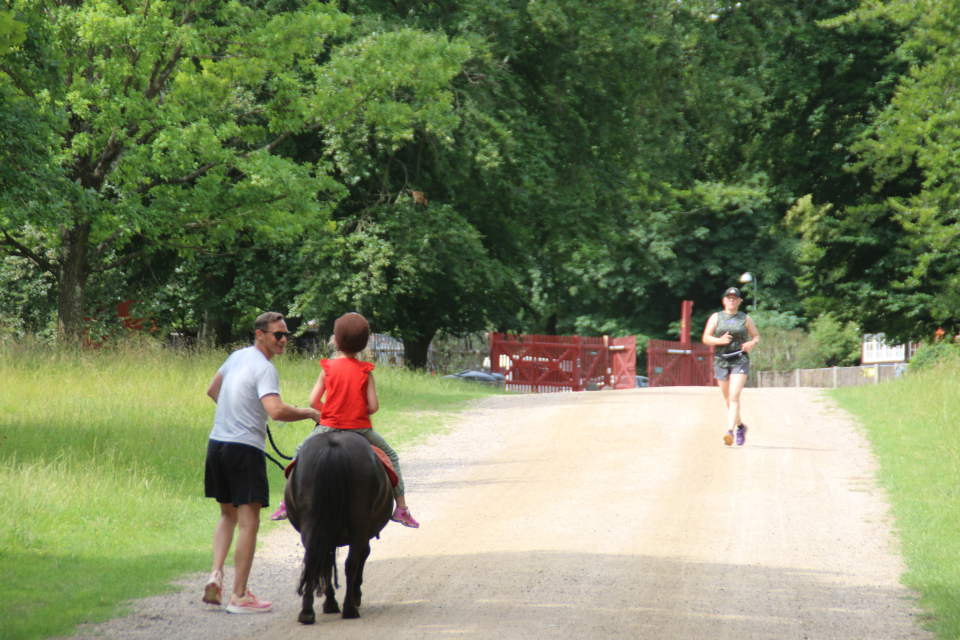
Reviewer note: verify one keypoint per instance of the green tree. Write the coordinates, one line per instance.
(170, 120)
(890, 259)
(412, 270)
(588, 157)
(12, 33)
(916, 142)
(824, 81)
(820, 87)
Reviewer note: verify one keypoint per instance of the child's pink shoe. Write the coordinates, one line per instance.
(403, 517)
(280, 513)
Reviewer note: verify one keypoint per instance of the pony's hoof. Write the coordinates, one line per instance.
(307, 617)
(351, 613)
(331, 607)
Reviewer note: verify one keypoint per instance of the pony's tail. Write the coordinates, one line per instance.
(329, 515)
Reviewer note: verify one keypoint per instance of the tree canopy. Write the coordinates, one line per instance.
(452, 167)
(166, 122)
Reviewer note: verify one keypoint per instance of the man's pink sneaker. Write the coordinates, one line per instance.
(403, 517)
(248, 604)
(280, 513)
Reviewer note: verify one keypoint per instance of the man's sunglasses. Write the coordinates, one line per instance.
(279, 335)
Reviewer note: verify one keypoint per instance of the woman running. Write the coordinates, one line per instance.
(735, 335)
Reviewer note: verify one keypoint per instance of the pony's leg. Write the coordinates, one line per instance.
(307, 585)
(307, 614)
(357, 594)
(330, 601)
(359, 549)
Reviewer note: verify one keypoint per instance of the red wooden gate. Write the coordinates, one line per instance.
(623, 362)
(675, 364)
(672, 364)
(544, 364)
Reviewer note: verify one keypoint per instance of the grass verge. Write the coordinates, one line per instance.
(101, 464)
(914, 429)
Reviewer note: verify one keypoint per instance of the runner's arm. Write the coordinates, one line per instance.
(709, 338)
(754, 336)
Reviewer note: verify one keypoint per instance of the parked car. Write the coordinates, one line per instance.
(481, 377)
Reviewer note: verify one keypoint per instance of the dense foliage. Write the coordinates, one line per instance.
(552, 167)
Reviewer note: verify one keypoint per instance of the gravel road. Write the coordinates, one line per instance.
(606, 515)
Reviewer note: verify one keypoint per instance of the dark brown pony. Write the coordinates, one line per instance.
(338, 494)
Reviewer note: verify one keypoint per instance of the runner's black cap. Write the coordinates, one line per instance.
(733, 291)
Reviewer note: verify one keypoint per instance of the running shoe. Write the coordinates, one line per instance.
(403, 517)
(741, 434)
(280, 513)
(728, 438)
(248, 604)
(213, 590)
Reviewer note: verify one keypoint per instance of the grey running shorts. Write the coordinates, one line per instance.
(236, 474)
(723, 373)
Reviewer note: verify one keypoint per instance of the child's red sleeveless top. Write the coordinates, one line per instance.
(345, 382)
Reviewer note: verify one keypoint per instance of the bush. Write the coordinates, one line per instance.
(784, 346)
(781, 341)
(932, 355)
(833, 344)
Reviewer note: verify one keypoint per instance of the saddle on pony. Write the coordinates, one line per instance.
(384, 460)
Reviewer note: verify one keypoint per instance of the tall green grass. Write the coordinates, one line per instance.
(101, 464)
(914, 427)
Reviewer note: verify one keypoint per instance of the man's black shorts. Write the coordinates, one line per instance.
(236, 474)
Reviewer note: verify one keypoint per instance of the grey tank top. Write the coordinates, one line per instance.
(736, 326)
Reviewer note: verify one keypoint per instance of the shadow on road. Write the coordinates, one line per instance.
(570, 595)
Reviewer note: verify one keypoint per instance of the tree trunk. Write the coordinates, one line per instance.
(206, 336)
(215, 330)
(551, 326)
(72, 282)
(415, 352)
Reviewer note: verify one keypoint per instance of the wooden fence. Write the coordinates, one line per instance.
(447, 354)
(831, 377)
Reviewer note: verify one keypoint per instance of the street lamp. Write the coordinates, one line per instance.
(749, 277)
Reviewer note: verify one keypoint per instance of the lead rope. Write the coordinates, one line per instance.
(279, 453)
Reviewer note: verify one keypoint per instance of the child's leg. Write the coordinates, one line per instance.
(401, 514)
(377, 440)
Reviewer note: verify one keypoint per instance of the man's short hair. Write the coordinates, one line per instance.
(264, 320)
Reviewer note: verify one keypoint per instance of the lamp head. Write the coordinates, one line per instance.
(746, 277)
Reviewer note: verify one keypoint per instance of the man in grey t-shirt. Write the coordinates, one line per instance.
(247, 391)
